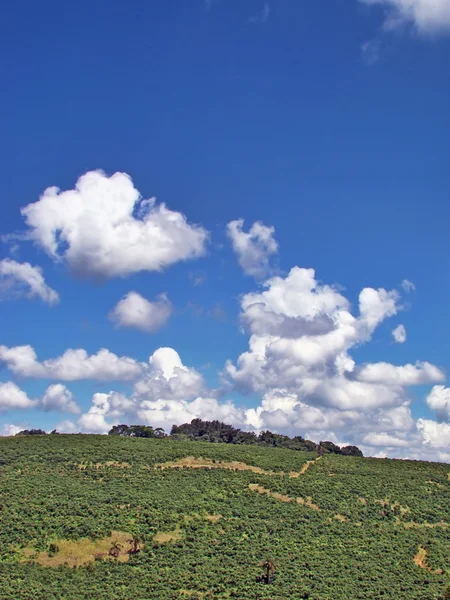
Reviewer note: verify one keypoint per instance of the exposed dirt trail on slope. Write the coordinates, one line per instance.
(254, 487)
(304, 468)
(191, 462)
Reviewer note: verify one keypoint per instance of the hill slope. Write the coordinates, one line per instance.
(204, 516)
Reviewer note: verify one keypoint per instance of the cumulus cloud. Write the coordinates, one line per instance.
(399, 334)
(169, 393)
(167, 378)
(434, 434)
(302, 333)
(165, 413)
(73, 365)
(94, 420)
(385, 373)
(58, 397)
(253, 249)
(439, 401)
(11, 397)
(22, 279)
(66, 426)
(136, 311)
(9, 429)
(427, 16)
(103, 228)
(376, 417)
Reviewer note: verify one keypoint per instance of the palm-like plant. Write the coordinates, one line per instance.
(269, 568)
(115, 550)
(135, 544)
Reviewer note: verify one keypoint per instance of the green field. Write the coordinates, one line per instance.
(208, 515)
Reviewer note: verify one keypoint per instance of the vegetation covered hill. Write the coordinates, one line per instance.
(85, 516)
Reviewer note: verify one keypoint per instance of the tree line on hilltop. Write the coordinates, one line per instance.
(222, 433)
(218, 432)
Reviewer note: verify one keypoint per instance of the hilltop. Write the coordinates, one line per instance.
(162, 518)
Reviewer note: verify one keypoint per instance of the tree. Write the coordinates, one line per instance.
(53, 549)
(269, 570)
(114, 551)
(351, 451)
(330, 447)
(135, 545)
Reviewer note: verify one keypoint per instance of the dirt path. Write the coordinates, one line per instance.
(304, 468)
(190, 462)
(254, 487)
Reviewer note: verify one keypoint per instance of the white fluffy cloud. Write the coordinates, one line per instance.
(168, 379)
(11, 396)
(73, 365)
(253, 249)
(22, 279)
(302, 333)
(165, 413)
(427, 16)
(399, 334)
(385, 373)
(169, 393)
(435, 434)
(103, 228)
(135, 311)
(58, 397)
(439, 401)
(66, 426)
(384, 440)
(94, 420)
(9, 429)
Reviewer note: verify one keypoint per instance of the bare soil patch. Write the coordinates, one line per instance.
(281, 497)
(190, 462)
(162, 537)
(213, 518)
(81, 552)
(304, 468)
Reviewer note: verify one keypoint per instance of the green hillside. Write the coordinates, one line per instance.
(202, 518)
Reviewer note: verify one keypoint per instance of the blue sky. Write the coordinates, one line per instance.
(329, 127)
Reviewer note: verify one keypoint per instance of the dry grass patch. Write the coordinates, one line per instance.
(304, 468)
(213, 518)
(190, 462)
(413, 524)
(307, 502)
(254, 487)
(437, 484)
(362, 501)
(420, 558)
(169, 536)
(81, 552)
(340, 518)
